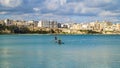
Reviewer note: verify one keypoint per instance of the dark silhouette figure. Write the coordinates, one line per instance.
(55, 38)
(59, 41)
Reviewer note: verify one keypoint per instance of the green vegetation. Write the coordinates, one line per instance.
(13, 29)
(90, 32)
(2, 27)
(21, 30)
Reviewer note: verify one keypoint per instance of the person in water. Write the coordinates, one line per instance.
(59, 41)
(55, 38)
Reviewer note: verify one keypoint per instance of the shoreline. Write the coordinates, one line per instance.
(56, 34)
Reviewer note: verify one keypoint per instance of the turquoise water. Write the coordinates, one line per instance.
(78, 51)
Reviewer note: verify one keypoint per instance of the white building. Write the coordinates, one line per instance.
(65, 25)
(8, 22)
(106, 26)
(84, 27)
(75, 26)
(94, 25)
(32, 23)
(39, 24)
(48, 24)
(118, 27)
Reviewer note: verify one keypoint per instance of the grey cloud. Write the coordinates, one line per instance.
(65, 7)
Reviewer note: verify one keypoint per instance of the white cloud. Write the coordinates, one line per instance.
(81, 8)
(108, 13)
(90, 10)
(36, 9)
(3, 12)
(10, 3)
(62, 7)
(98, 3)
(78, 8)
(62, 2)
(54, 4)
(107, 1)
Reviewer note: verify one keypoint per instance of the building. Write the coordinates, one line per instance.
(32, 23)
(20, 23)
(84, 27)
(44, 23)
(106, 26)
(39, 24)
(94, 26)
(48, 24)
(59, 25)
(35, 23)
(75, 26)
(53, 24)
(65, 25)
(8, 22)
(118, 27)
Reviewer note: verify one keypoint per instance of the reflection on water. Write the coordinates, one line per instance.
(4, 54)
(40, 52)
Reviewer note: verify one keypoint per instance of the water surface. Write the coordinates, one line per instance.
(78, 51)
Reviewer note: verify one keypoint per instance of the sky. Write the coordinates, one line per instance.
(61, 10)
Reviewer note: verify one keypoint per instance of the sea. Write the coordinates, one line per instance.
(75, 51)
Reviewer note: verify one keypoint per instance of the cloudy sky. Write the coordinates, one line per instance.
(61, 10)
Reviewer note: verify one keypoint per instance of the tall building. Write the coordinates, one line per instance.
(53, 24)
(48, 24)
(44, 24)
(59, 25)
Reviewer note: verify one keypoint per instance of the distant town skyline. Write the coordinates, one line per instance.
(61, 10)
